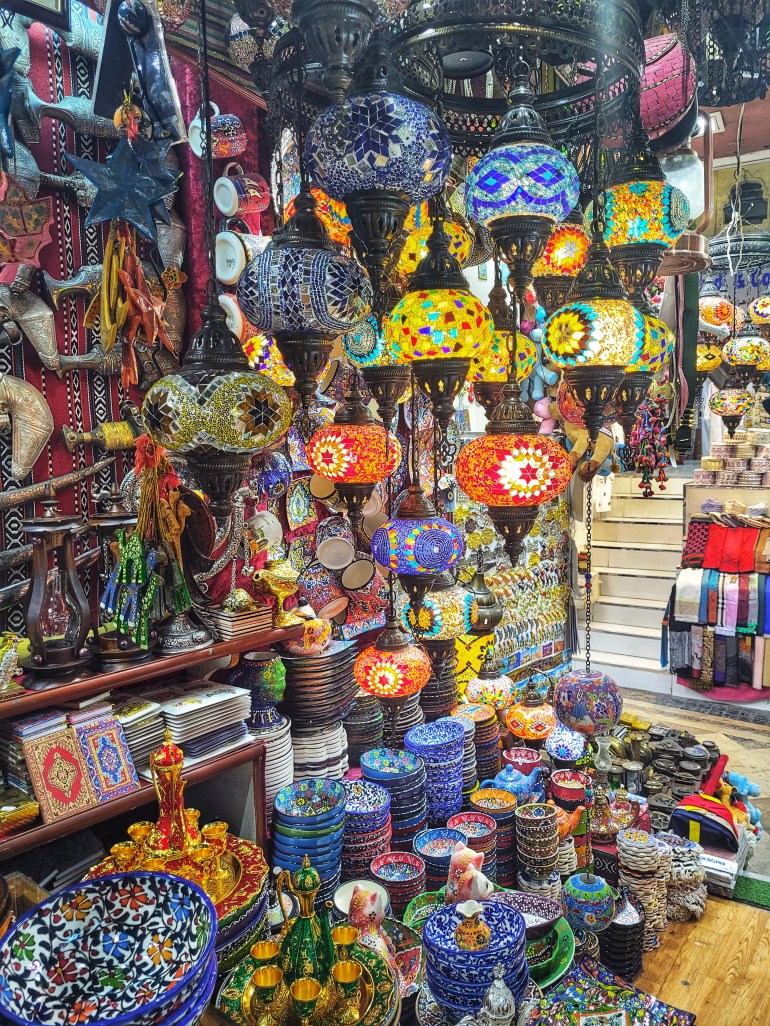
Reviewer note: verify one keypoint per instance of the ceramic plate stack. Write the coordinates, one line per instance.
(486, 739)
(439, 696)
(566, 858)
(459, 978)
(130, 982)
(501, 806)
(143, 726)
(638, 858)
(309, 819)
(435, 847)
(402, 874)
(622, 943)
(279, 758)
(470, 776)
(550, 943)
(404, 776)
(320, 751)
(440, 746)
(537, 840)
(548, 887)
(411, 715)
(367, 827)
(321, 689)
(481, 833)
(364, 726)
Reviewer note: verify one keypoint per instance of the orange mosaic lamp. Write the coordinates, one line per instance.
(392, 670)
(332, 213)
(564, 256)
(532, 719)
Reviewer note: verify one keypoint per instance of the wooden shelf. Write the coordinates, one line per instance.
(69, 688)
(25, 840)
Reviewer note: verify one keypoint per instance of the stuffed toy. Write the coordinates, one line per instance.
(536, 385)
(465, 879)
(746, 789)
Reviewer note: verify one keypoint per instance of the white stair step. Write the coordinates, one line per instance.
(628, 484)
(649, 584)
(636, 555)
(630, 671)
(630, 508)
(632, 611)
(622, 530)
(620, 639)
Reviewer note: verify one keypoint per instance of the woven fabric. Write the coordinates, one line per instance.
(712, 557)
(695, 544)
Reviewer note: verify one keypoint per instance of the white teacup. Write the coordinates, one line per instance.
(265, 528)
(233, 250)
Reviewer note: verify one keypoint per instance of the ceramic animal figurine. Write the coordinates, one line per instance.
(510, 779)
(465, 880)
(471, 934)
(567, 822)
(366, 914)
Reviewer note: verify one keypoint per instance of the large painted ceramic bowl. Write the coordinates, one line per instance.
(120, 950)
(590, 703)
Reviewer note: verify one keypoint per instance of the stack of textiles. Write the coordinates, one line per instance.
(718, 616)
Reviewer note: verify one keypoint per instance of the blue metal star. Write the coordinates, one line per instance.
(124, 191)
(7, 60)
(151, 155)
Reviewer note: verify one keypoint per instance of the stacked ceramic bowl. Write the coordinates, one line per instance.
(486, 739)
(481, 833)
(622, 943)
(638, 861)
(500, 806)
(470, 775)
(402, 874)
(462, 954)
(320, 751)
(134, 949)
(367, 827)
(364, 726)
(537, 840)
(403, 775)
(544, 921)
(411, 715)
(321, 689)
(440, 745)
(435, 847)
(309, 819)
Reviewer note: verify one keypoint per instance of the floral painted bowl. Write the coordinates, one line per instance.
(397, 867)
(314, 800)
(122, 950)
(436, 845)
(540, 913)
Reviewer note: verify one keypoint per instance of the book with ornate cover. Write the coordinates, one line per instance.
(107, 758)
(59, 776)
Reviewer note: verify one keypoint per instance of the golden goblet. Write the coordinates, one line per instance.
(344, 938)
(265, 952)
(192, 816)
(203, 858)
(124, 856)
(155, 865)
(266, 981)
(139, 832)
(215, 834)
(347, 980)
(304, 998)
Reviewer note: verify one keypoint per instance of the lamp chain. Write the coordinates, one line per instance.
(599, 219)
(209, 228)
(589, 575)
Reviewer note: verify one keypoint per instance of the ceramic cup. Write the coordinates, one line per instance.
(359, 574)
(228, 136)
(319, 586)
(374, 523)
(324, 490)
(240, 194)
(265, 528)
(234, 249)
(236, 322)
(334, 543)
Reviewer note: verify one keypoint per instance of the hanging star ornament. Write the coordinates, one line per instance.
(151, 155)
(8, 58)
(125, 192)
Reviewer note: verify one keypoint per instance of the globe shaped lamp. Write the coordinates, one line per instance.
(491, 687)
(304, 292)
(715, 309)
(588, 702)
(531, 719)
(216, 411)
(264, 355)
(656, 350)
(562, 259)
(393, 669)
(759, 311)
(379, 152)
(364, 345)
(447, 612)
(588, 902)
(415, 246)
(745, 353)
(731, 404)
(708, 357)
(512, 470)
(522, 186)
(331, 213)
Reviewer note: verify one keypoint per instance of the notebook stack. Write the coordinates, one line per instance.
(13, 734)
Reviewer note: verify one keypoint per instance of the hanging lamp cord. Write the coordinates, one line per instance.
(207, 186)
(589, 575)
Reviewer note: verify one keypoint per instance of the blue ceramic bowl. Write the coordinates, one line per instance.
(365, 799)
(114, 927)
(193, 1011)
(440, 741)
(435, 846)
(311, 801)
(390, 764)
(507, 943)
(308, 843)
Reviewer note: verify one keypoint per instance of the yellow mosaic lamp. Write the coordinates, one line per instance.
(708, 356)
(731, 404)
(745, 353)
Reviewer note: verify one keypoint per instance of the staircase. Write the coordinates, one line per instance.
(636, 550)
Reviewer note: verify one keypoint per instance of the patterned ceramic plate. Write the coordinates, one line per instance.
(390, 762)
(398, 866)
(437, 845)
(134, 945)
(300, 504)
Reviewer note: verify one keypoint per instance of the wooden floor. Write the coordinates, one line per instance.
(718, 968)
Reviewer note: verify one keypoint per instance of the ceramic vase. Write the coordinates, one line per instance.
(588, 901)
(264, 675)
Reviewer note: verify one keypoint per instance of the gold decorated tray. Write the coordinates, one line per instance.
(380, 1001)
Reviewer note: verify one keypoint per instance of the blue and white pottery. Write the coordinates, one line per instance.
(565, 744)
(389, 764)
(436, 846)
(128, 949)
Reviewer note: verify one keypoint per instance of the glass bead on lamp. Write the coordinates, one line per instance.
(522, 186)
(708, 356)
(731, 404)
(446, 613)
(745, 353)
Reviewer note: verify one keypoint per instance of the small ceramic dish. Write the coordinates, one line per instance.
(398, 867)
(540, 913)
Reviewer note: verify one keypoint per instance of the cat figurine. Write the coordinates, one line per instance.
(465, 880)
(366, 913)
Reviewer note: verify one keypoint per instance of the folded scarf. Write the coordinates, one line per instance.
(696, 649)
(695, 544)
(758, 668)
(715, 545)
(762, 552)
(744, 660)
(731, 662)
(731, 553)
(679, 651)
(766, 620)
(753, 615)
(727, 616)
(687, 602)
(720, 658)
(712, 597)
(703, 606)
(749, 536)
(743, 602)
(707, 660)
(760, 604)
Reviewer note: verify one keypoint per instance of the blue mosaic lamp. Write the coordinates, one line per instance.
(522, 186)
(381, 153)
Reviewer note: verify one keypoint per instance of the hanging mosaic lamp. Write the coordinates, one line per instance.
(448, 612)
(522, 186)
(354, 452)
(305, 293)
(759, 311)
(745, 353)
(512, 470)
(415, 246)
(331, 213)
(491, 687)
(565, 253)
(417, 545)
(336, 36)
(588, 702)
(380, 153)
(644, 214)
(364, 345)
(532, 719)
(708, 357)
(731, 404)
(392, 669)
(265, 356)
(715, 309)
(658, 347)
(490, 609)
